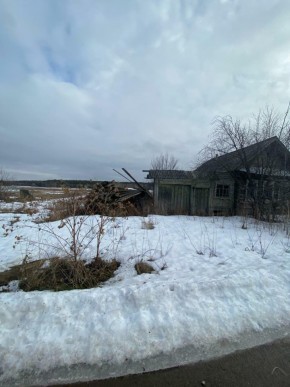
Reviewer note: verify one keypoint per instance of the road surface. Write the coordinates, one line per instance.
(266, 365)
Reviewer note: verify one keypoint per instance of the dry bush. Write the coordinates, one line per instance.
(65, 274)
(143, 268)
(4, 183)
(83, 230)
(70, 272)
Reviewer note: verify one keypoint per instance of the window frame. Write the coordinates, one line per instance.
(222, 191)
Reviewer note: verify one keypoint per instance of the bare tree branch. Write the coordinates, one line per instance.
(231, 134)
(164, 162)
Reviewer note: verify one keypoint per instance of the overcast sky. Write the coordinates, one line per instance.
(88, 86)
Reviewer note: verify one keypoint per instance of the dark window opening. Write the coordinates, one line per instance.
(222, 191)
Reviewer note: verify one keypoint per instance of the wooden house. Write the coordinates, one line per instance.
(255, 178)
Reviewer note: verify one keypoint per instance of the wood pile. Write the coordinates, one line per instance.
(108, 199)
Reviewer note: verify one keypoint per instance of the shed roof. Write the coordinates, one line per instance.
(234, 160)
(169, 174)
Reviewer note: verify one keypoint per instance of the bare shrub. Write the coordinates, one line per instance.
(68, 269)
(75, 215)
(206, 243)
(4, 182)
(82, 231)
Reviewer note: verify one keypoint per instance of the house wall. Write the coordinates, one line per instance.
(222, 205)
(269, 162)
(173, 196)
(193, 196)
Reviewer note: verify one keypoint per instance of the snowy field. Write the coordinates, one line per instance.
(216, 287)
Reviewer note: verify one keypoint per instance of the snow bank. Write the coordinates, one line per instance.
(221, 284)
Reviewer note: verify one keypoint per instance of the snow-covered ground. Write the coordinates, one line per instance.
(217, 287)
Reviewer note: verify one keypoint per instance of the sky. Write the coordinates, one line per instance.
(88, 86)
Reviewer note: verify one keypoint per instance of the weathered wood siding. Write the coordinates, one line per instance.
(222, 205)
(174, 199)
(201, 201)
(193, 196)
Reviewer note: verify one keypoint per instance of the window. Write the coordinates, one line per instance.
(222, 191)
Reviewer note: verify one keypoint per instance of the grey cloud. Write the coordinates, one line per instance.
(89, 86)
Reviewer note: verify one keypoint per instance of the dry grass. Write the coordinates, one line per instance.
(59, 274)
(23, 209)
(68, 274)
(72, 204)
(39, 194)
(143, 268)
(15, 272)
(27, 210)
(55, 193)
(60, 210)
(147, 224)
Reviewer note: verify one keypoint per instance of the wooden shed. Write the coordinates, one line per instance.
(184, 193)
(228, 184)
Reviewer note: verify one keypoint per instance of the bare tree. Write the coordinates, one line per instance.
(230, 134)
(164, 162)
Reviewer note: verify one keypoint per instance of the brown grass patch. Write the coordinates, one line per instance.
(15, 272)
(58, 211)
(147, 224)
(66, 207)
(37, 194)
(60, 274)
(42, 194)
(143, 268)
(27, 210)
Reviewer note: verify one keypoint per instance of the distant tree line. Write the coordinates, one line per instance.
(55, 183)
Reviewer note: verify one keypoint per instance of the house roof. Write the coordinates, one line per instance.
(234, 160)
(168, 174)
